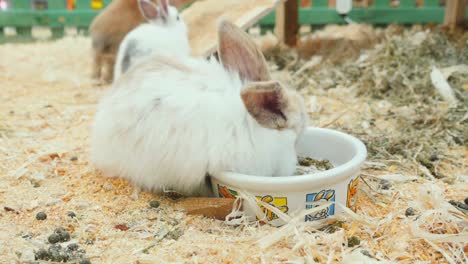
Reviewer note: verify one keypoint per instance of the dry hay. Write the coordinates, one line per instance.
(338, 42)
(395, 78)
(48, 102)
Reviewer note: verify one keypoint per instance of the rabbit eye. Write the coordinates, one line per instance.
(178, 18)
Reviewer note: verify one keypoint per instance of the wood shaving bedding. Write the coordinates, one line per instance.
(47, 106)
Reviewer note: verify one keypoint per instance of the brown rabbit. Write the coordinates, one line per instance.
(108, 30)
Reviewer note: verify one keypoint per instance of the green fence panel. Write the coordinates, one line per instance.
(318, 3)
(57, 4)
(50, 18)
(408, 3)
(379, 13)
(432, 3)
(22, 15)
(24, 29)
(21, 4)
(82, 5)
(381, 3)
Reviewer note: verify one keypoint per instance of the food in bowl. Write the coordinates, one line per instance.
(308, 165)
(292, 194)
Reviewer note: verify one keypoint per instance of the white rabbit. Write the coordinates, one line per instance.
(169, 121)
(165, 32)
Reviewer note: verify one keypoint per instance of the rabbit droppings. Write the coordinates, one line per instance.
(165, 31)
(170, 121)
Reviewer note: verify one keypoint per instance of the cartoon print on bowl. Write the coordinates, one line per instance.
(323, 195)
(279, 202)
(225, 192)
(351, 197)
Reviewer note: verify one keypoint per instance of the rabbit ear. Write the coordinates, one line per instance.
(266, 102)
(240, 54)
(164, 4)
(149, 10)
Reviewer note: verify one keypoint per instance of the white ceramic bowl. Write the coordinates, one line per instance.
(296, 193)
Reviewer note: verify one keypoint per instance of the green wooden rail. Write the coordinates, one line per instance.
(23, 17)
(380, 12)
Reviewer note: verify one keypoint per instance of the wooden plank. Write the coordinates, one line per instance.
(454, 12)
(211, 207)
(202, 19)
(331, 3)
(287, 22)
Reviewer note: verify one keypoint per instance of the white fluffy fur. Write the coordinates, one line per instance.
(153, 37)
(167, 128)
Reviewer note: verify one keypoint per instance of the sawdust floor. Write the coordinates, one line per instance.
(47, 102)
